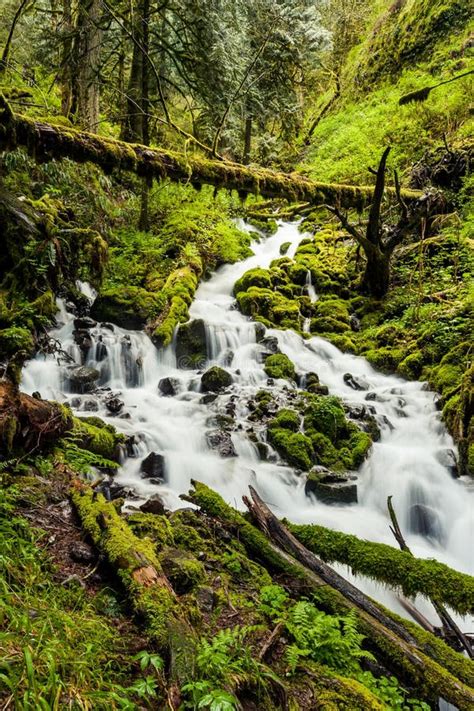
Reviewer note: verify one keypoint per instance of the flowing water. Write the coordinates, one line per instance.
(434, 510)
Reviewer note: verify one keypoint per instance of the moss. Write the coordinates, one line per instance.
(325, 453)
(215, 379)
(333, 308)
(295, 448)
(94, 435)
(286, 419)
(326, 415)
(254, 277)
(411, 366)
(279, 366)
(128, 307)
(385, 359)
(328, 325)
(285, 247)
(182, 568)
(15, 340)
(270, 306)
(156, 528)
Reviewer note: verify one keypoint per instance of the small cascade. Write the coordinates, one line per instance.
(160, 408)
(311, 291)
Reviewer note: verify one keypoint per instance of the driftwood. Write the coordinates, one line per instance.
(450, 629)
(428, 665)
(45, 141)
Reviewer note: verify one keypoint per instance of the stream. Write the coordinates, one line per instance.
(434, 509)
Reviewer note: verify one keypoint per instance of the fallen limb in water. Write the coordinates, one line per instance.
(428, 665)
(45, 141)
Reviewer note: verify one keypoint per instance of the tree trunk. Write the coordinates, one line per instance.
(8, 43)
(66, 59)
(86, 65)
(376, 279)
(247, 140)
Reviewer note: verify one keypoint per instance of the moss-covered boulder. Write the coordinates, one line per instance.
(294, 447)
(279, 366)
(191, 344)
(330, 488)
(215, 379)
(183, 570)
(128, 307)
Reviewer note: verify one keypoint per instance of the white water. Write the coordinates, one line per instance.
(402, 464)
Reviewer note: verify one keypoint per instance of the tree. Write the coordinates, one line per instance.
(85, 63)
(379, 240)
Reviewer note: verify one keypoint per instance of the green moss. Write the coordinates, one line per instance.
(128, 307)
(286, 419)
(279, 366)
(325, 453)
(94, 435)
(254, 277)
(15, 340)
(326, 415)
(295, 448)
(411, 366)
(182, 568)
(156, 528)
(215, 379)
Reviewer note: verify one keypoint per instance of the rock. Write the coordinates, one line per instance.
(90, 405)
(208, 398)
(355, 382)
(215, 379)
(81, 378)
(221, 441)
(153, 466)
(108, 326)
(183, 570)
(83, 340)
(191, 344)
(270, 343)
(262, 450)
(424, 521)
(169, 386)
(329, 487)
(114, 405)
(227, 357)
(81, 552)
(312, 385)
(100, 351)
(85, 322)
(154, 505)
(36, 395)
(205, 599)
(354, 323)
(447, 458)
(260, 331)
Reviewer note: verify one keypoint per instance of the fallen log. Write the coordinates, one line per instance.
(45, 141)
(149, 590)
(428, 665)
(386, 564)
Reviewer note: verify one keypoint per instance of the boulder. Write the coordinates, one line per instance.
(114, 405)
(312, 385)
(221, 441)
(83, 340)
(169, 386)
(447, 458)
(270, 343)
(355, 382)
(215, 379)
(84, 323)
(81, 378)
(329, 487)
(354, 323)
(154, 505)
(183, 570)
(260, 331)
(153, 466)
(205, 598)
(191, 344)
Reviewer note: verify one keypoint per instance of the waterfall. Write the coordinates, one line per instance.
(434, 509)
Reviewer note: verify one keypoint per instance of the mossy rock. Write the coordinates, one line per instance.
(94, 435)
(411, 366)
(191, 344)
(326, 415)
(215, 379)
(286, 419)
(128, 307)
(16, 340)
(254, 277)
(285, 247)
(279, 366)
(183, 570)
(294, 447)
(334, 309)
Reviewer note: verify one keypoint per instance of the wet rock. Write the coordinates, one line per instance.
(354, 323)
(81, 552)
(81, 378)
(100, 352)
(385, 422)
(154, 505)
(221, 442)
(85, 322)
(329, 487)
(208, 398)
(215, 379)
(312, 385)
(108, 326)
(262, 450)
(169, 386)
(191, 344)
(153, 466)
(447, 458)
(424, 521)
(376, 397)
(270, 343)
(36, 395)
(114, 405)
(83, 340)
(90, 405)
(355, 382)
(260, 331)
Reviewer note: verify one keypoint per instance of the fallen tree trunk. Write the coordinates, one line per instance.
(427, 665)
(149, 590)
(45, 141)
(388, 565)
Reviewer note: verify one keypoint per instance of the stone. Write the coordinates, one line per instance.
(114, 405)
(108, 326)
(260, 331)
(205, 599)
(83, 340)
(191, 345)
(208, 398)
(354, 323)
(221, 441)
(153, 466)
(355, 382)
(81, 552)
(270, 343)
(154, 505)
(85, 322)
(447, 458)
(169, 386)
(215, 379)
(82, 378)
(90, 405)
(329, 487)
(36, 395)
(312, 385)
(100, 352)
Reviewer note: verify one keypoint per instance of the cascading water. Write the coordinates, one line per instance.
(434, 510)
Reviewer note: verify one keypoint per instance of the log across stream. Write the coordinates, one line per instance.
(435, 511)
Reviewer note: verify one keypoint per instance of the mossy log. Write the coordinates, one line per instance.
(427, 665)
(45, 141)
(139, 569)
(28, 423)
(388, 565)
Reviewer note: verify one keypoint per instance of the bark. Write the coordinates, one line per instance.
(46, 141)
(86, 65)
(66, 58)
(247, 140)
(6, 50)
(376, 279)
